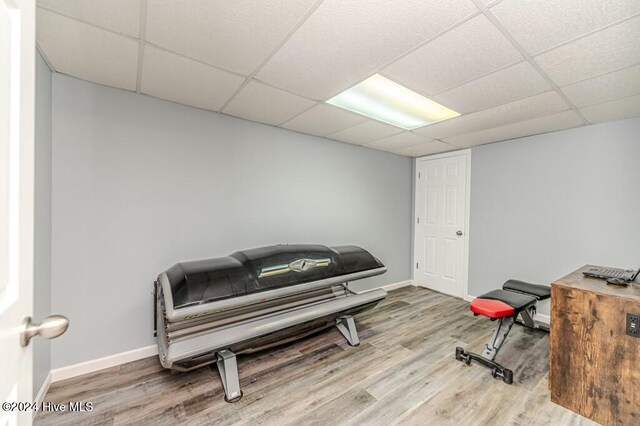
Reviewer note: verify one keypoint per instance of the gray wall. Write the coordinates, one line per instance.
(545, 205)
(42, 237)
(140, 184)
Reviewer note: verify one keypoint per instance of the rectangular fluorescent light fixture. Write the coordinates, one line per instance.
(382, 99)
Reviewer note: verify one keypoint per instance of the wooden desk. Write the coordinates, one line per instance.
(594, 367)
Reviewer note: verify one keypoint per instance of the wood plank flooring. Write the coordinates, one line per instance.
(404, 372)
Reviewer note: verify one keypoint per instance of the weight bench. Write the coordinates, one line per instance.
(516, 299)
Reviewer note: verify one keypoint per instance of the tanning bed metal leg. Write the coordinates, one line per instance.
(228, 369)
(347, 327)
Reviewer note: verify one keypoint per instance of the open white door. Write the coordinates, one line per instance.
(440, 241)
(17, 87)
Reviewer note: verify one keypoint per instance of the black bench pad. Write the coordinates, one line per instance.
(517, 301)
(540, 292)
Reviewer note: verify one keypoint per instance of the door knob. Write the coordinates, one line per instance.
(52, 327)
(459, 233)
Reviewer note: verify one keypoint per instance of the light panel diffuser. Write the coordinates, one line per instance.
(382, 99)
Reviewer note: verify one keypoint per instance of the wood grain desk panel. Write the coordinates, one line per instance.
(594, 366)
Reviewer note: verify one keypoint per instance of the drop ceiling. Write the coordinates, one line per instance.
(512, 68)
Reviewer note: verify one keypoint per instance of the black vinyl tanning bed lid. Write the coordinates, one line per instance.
(261, 269)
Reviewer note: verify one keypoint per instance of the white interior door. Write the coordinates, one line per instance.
(17, 57)
(441, 222)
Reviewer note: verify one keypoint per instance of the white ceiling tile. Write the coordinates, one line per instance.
(344, 42)
(427, 148)
(364, 132)
(542, 24)
(121, 16)
(608, 50)
(512, 112)
(462, 54)
(322, 120)
(614, 110)
(258, 102)
(607, 87)
(399, 141)
(87, 52)
(549, 123)
(509, 84)
(178, 79)
(235, 35)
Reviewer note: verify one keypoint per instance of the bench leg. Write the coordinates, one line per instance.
(527, 316)
(228, 369)
(347, 327)
(497, 339)
(491, 350)
(497, 370)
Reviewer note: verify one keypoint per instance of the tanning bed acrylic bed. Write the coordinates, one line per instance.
(210, 310)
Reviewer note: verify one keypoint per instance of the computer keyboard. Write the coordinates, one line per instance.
(604, 273)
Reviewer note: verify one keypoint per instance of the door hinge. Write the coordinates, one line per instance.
(418, 175)
(418, 219)
(417, 265)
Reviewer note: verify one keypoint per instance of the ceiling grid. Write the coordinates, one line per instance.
(143, 33)
(511, 68)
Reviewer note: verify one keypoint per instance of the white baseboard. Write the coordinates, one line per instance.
(399, 284)
(117, 359)
(86, 367)
(102, 363)
(44, 388)
(543, 318)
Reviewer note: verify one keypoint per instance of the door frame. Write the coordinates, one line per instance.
(16, 372)
(465, 266)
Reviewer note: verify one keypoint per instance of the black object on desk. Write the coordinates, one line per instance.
(606, 273)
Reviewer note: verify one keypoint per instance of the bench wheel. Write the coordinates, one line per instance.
(508, 376)
(461, 355)
(505, 374)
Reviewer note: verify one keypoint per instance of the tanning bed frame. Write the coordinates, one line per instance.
(210, 311)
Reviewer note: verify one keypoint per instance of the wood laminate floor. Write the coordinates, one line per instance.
(404, 372)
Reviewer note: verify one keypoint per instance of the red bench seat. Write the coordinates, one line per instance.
(491, 308)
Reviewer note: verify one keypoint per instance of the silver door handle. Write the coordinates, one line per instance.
(459, 233)
(52, 327)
